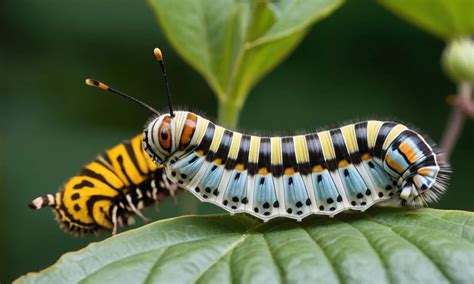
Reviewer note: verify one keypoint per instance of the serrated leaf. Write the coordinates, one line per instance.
(379, 246)
(234, 43)
(447, 19)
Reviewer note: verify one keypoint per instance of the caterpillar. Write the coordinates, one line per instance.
(351, 167)
(109, 191)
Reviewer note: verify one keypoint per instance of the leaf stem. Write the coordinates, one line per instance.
(228, 113)
(456, 120)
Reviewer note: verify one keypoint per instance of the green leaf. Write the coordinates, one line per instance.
(383, 245)
(234, 43)
(447, 19)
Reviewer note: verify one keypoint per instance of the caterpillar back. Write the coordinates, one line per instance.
(351, 167)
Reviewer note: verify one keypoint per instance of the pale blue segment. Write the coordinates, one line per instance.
(295, 190)
(264, 189)
(398, 158)
(212, 177)
(189, 165)
(353, 182)
(379, 176)
(236, 185)
(324, 186)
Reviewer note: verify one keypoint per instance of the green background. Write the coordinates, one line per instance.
(361, 62)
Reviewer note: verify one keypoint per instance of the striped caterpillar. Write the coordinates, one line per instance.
(324, 173)
(351, 167)
(109, 191)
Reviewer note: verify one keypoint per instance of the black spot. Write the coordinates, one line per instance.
(75, 196)
(353, 203)
(380, 194)
(255, 209)
(266, 205)
(424, 187)
(197, 189)
(346, 173)
(215, 192)
(329, 200)
(77, 207)
(320, 178)
(208, 189)
(388, 187)
(205, 196)
(193, 160)
(214, 168)
(289, 210)
(332, 208)
(235, 199)
(299, 212)
(276, 204)
(308, 202)
(164, 133)
(225, 202)
(363, 203)
(371, 165)
(290, 181)
(266, 213)
(368, 192)
(234, 207)
(390, 194)
(180, 181)
(244, 200)
(359, 195)
(237, 176)
(321, 208)
(339, 198)
(184, 176)
(299, 204)
(173, 173)
(262, 181)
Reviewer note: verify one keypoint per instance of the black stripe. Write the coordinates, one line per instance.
(382, 135)
(265, 154)
(133, 157)
(243, 155)
(315, 151)
(97, 176)
(207, 139)
(340, 148)
(288, 153)
(361, 137)
(224, 147)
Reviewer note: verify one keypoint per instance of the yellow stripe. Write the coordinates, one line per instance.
(393, 134)
(216, 140)
(373, 128)
(350, 138)
(235, 146)
(254, 149)
(137, 147)
(127, 164)
(276, 158)
(107, 173)
(179, 121)
(301, 149)
(201, 126)
(327, 145)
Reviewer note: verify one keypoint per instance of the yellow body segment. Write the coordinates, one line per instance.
(327, 145)
(349, 134)
(254, 149)
(373, 128)
(301, 149)
(393, 134)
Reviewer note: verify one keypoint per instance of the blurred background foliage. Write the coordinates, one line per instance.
(361, 62)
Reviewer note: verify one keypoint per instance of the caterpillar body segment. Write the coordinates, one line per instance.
(351, 167)
(109, 191)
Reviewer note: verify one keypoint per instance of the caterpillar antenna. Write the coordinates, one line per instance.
(159, 56)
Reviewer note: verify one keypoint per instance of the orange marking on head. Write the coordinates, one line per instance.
(262, 171)
(423, 171)
(394, 165)
(188, 130)
(343, 164)
(164, 133)
(289, 171)
(317, 169)
(408, 151)
(366, 157)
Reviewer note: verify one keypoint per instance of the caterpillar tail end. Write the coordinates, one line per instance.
(42, 201)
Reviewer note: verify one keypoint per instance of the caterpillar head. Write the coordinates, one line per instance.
(166, 134)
